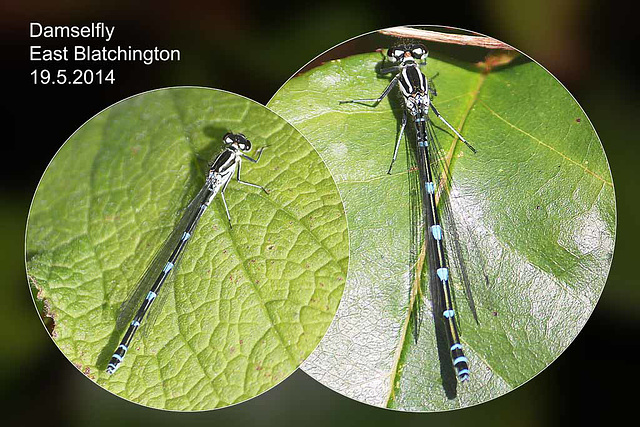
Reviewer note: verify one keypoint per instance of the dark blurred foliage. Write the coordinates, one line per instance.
(251, 48)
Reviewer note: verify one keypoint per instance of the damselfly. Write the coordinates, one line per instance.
(220, 173)
(417, 92)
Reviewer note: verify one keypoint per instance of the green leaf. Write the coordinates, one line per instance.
(535, 205)
(247, 305)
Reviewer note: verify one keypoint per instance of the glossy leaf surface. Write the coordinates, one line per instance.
(534, 208)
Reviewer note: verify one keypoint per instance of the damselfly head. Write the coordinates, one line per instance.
(237, 140)
(404, 52)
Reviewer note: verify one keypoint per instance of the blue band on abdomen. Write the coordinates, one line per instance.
(460, 360)
(436, 231)
(430, 187)
(443, 274)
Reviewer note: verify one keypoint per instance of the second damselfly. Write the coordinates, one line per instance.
(417, 92)
(219, 175)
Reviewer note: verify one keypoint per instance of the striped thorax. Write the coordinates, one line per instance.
(412, 82)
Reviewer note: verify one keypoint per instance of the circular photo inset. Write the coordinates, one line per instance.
(187, 248)
(481, 214)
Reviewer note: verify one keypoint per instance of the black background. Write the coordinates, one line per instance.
(251, 48)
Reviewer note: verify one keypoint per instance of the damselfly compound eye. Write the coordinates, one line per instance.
(418, 52)
(395, 54)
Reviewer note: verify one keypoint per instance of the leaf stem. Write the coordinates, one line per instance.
(460, 39)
